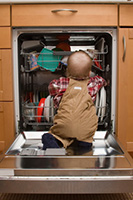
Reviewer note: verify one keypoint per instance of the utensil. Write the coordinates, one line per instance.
(97, 63)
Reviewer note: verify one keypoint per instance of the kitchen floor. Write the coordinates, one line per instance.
(127, 196)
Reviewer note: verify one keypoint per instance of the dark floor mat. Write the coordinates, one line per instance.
(125, 196)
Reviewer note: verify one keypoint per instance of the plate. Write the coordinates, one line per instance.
(52, 109)
(47, 108)
(103, 103)
(97, 102)
(40, 109)
(100, 104)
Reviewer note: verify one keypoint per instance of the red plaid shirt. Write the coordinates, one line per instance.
(57, 87)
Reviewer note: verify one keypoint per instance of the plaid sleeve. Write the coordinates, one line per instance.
(94, 85)
(57, 87)
(63, 84)
(54, 87)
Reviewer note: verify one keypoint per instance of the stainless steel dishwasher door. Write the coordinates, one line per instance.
(106, 168)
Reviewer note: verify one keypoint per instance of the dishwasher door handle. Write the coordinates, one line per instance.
(64, 9)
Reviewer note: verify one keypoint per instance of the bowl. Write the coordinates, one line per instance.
(29, 111)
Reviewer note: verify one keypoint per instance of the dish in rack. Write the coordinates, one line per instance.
(100, 104)
(49, 109)
(40, 109)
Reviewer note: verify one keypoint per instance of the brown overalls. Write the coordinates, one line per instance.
(76, 116)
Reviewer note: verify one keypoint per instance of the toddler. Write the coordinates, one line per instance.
(76, 116)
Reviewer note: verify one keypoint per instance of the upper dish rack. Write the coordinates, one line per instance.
(57, 60)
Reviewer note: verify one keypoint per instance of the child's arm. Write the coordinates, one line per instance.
(56, 88)
(94, 85)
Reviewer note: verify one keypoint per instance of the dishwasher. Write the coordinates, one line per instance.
(39, 57)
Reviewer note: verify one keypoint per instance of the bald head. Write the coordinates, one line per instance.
(79, 65)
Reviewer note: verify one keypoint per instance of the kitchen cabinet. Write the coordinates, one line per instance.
(125, 88)
(5, 37)
(7, 130)
(6, 124)
(64, 15)
(125, 71)
(4, 15)
(126, 15)
(6, 80)
(6, 75)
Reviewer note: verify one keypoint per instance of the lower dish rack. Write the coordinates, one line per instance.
(43, 115)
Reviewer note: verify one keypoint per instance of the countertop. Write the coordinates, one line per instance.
(63, 1)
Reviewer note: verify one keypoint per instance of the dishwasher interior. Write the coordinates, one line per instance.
(43, 58)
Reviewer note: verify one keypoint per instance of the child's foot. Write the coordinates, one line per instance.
(49, 141)
(84, 144)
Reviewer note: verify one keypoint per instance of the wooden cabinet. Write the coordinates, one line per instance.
(6, 76)
(64, 15)
(126, 15)
(4, 15)
(5, 37)
(125, 76)
(7, 130)
(6, 80)
(6, 124)
(125, 88)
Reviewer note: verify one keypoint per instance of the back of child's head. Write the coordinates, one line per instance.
(79, 65)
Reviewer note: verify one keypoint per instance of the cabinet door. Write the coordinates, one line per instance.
(126, 15)
(4, 15)
(6, 76)
(5, 37)
(125, 88)
(6, 124)
(64, 15)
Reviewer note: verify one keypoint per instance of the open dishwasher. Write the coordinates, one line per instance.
(40, 56)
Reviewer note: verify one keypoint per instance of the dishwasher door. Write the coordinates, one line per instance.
(105, 168)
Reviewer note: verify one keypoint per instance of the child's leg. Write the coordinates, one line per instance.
(84, 144)
(65, 142)
(49, 141)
